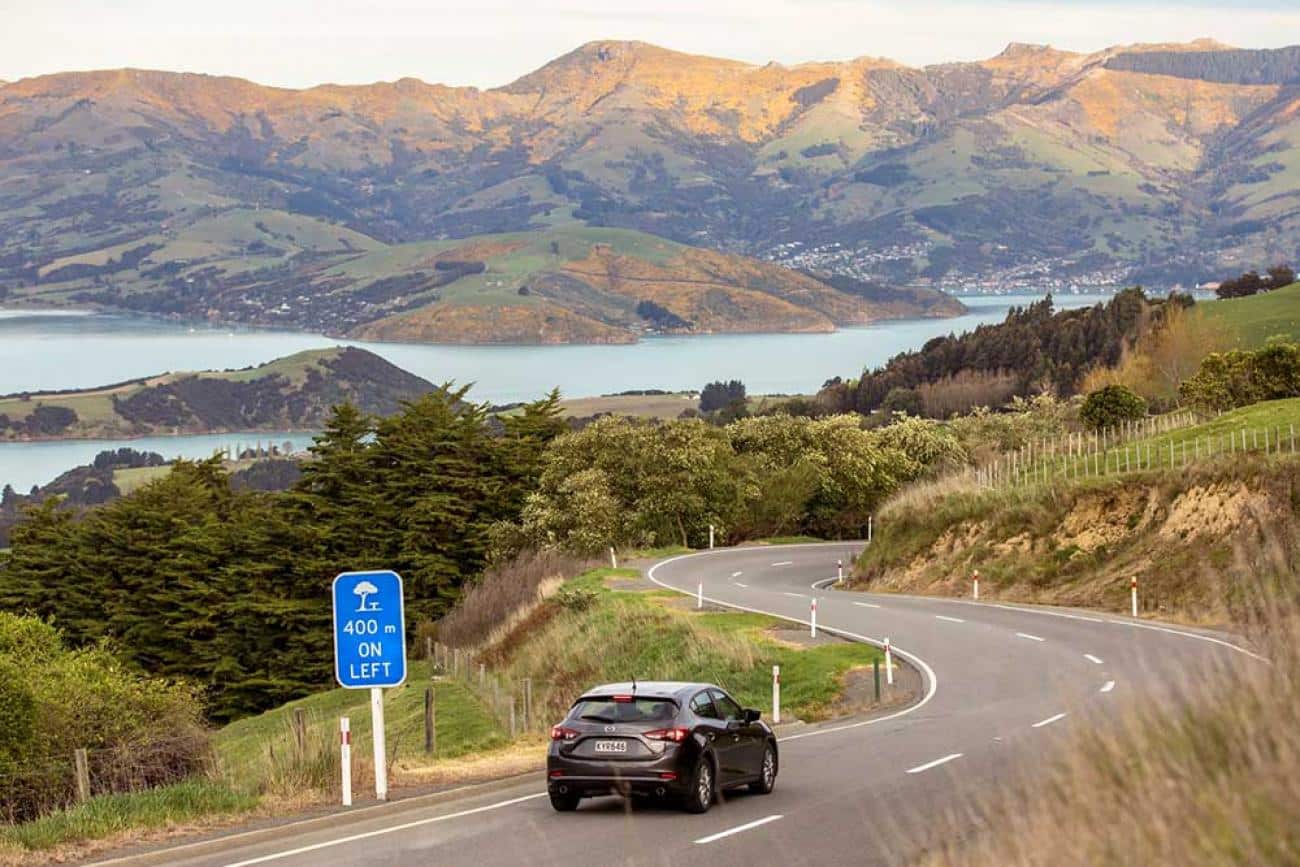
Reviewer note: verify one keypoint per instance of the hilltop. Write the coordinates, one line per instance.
(193, 193)
(291, 393)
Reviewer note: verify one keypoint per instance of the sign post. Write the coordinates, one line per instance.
(370, 647)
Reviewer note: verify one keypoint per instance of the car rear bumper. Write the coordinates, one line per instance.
(583, 777)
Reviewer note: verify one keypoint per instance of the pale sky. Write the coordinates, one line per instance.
(298, 43)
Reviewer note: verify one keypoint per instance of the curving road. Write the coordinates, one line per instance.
(1002, 684)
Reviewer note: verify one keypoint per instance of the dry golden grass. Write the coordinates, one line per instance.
(1209, 778)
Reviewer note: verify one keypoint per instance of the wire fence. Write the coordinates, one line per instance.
(1153, 444)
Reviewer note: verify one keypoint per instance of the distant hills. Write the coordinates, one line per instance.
(339, 208)
(291, 393)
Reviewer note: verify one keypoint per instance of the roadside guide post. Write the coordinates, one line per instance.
(370, 647)
(345, 758)
(839, 571)
(869, 521)
(710, 537)
(889, 664)
(613, 558)
(699, 595)
(813, 607)
(1133, 594)
(976, 578)
(776, 694)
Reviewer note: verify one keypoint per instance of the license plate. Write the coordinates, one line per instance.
(611, 746)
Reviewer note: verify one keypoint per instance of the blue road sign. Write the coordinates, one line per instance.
(369, 630)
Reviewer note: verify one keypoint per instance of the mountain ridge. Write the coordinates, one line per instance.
(1034, 168)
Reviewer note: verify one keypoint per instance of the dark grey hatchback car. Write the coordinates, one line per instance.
(687, 741)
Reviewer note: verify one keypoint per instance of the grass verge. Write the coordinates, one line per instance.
(110, 815)
(592, 633)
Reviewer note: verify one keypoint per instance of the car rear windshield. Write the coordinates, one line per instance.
(624, 710)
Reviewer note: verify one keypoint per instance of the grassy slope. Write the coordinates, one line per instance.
(1258, 317)
(651, 635)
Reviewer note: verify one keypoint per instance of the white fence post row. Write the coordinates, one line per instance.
(345, 758)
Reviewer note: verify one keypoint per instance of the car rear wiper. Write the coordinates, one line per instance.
(595, 717)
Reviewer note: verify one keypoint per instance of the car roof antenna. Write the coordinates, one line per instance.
(634, 686)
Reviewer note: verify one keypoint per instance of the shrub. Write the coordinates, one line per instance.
(1227, 380)
(140, 732)
(718, 395)
(1110, 406)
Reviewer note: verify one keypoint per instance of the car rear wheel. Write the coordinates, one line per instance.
(566, 803)
(767, 773)
(700, 796)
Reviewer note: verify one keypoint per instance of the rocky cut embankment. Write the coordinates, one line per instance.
(1198, 541)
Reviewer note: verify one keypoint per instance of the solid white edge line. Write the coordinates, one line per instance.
(739, 828)
(1092, 659)
(1158, 628)
(934, 764)
(289, 853)
(1048, 721)
(931, 679)
(1107, 686)
(949, 619)
(1030, 637)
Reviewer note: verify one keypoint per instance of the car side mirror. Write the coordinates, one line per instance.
(752, 715)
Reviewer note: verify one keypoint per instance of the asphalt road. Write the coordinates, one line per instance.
(1002, 684)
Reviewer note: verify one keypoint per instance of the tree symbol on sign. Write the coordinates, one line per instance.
(365, 589)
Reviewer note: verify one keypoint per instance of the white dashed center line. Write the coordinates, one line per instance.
(796, 595)
(1048, 721)
(1030, 637)
(739, 828)
(736, 574)
(949, 619)
(784, 563)
(866, 605)
(934, 764)
(1108, 686)
(1091, 658)
(738, 584)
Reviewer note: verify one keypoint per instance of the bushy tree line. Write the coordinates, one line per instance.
(1251, 283)
(193, 579)
(1034, 348)
(1241, 377)
(628, 483)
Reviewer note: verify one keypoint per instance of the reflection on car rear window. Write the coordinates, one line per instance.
(628, 711)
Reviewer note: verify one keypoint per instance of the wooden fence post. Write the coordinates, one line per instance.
(300, 731)
(82, 766)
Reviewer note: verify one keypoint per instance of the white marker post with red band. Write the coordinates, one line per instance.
(1133, 594)
(345, 758)
(976, 580)
(813, 608)
(889, 664)
(839, 571)
(776, 694)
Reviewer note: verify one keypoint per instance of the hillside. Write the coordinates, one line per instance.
(181, 193)
(291, 393)
(1194, 537)
(1256, 318)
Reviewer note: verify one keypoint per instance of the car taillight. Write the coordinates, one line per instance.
(562, 733)
(676, 735)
